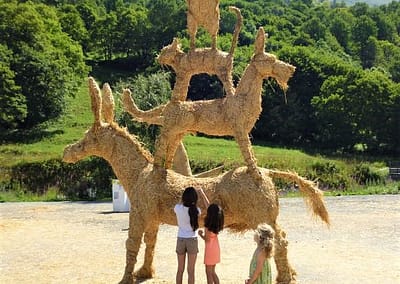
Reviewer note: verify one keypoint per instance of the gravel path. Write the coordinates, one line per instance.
(84, 242)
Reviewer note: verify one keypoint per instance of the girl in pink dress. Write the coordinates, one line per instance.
(213, 224)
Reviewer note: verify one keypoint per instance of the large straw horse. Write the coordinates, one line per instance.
(232, 115)
(153, 196)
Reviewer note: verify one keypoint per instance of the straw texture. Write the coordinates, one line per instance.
(233, 115)
(203, 13)
(153, 192)
(201, 60)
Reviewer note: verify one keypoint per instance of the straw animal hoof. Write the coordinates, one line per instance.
(144, 273)
(289, 278)
(127, 279)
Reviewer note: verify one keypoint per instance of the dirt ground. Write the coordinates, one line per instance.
(77, 242)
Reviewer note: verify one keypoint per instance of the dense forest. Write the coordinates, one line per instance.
(343, 97)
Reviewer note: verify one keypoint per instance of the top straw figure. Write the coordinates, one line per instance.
(204, 13)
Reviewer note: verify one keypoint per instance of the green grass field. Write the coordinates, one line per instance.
(213, 151)
(57, 135)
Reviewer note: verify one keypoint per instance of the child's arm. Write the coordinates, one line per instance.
(206, 235)
(259, 268)
(204, 197)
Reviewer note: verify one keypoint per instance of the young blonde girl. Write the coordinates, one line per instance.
(260, 266)
(213, 224)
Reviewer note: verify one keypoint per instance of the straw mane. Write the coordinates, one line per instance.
(153, 194)
(233, 115)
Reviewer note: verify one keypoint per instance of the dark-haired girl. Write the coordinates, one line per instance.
(187, 214)
(213, 224)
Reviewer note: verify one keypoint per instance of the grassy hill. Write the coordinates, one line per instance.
(55, 136)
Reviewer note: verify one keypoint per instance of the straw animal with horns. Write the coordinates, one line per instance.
(233, 115)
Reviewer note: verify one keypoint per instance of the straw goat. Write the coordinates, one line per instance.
(232, 115)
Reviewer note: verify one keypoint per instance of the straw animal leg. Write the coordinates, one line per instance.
(161, 148)
(179, 93)
(226, 78)
(192, 28)
(214, 41)
(133, 242)
(171, 149)
(248, 155)
(150, 239)
(286, 274)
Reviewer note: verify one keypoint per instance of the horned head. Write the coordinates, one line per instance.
(93, 142)
(268, 65)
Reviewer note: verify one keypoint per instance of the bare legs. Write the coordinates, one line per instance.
(212, 277)
(190, 268)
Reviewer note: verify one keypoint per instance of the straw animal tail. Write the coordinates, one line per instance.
(153, 116)
(238, 27)
(314, 196)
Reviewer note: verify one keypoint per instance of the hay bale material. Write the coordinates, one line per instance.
(154, 191)
(230, 116)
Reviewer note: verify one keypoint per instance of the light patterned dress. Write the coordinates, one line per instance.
(265, 276)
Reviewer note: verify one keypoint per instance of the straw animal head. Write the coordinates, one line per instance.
(268, 65)
(102, 107)
(170, 53)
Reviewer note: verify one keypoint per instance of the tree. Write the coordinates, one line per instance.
(167, 18)
(314, 28)
(358, 109)
(292, 123)
(12, 102)
(45, 66)
(132, 28)
(341, 30)
(364, 28)
(103, 35)
(73, 25)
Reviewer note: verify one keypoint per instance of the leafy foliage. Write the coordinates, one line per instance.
(72, 180)
(346, 57)
(147, 92)
(44, 67)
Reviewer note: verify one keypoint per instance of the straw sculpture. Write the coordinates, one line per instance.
(232, 115)
(153, 196)
(181, 161)
(203, 13)
(200, 60)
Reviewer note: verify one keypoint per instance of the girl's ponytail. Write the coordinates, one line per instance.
(189, 199)
(194, 217)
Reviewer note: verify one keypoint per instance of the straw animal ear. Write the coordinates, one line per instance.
(260, 41)
(94, 92)
(107, 109)
(175, 43)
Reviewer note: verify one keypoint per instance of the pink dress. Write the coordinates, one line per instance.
(212, 250)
